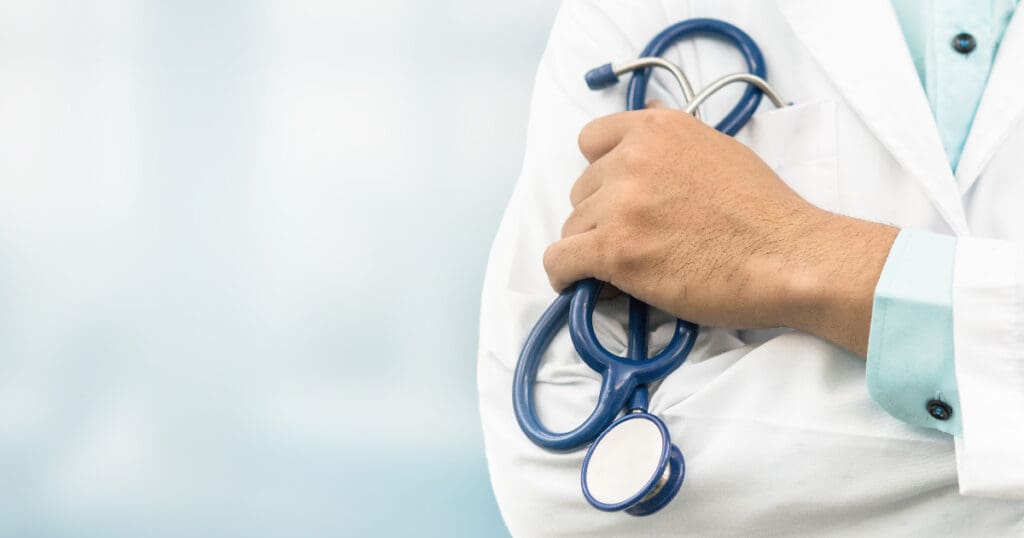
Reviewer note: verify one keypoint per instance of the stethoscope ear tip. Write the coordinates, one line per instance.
(601, 77)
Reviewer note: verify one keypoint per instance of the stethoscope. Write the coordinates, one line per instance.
(631, 464)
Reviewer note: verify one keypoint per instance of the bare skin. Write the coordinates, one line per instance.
(696, 224)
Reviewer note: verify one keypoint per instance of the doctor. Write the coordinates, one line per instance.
(877, 221)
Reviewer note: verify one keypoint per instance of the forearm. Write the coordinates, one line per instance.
(829, 286)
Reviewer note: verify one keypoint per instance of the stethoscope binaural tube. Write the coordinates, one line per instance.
(636, 92)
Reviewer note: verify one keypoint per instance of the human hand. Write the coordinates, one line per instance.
(696, 224)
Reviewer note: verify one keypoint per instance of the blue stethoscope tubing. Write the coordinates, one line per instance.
(624, 380)
(620, 376)
(636, 92)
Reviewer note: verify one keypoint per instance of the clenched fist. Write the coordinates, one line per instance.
(696, 224)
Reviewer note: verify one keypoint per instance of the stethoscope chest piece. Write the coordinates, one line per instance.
(633, 466)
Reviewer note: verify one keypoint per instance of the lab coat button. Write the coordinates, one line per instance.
(964, 43)
(939, 410)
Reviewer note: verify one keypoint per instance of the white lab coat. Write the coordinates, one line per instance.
(779, 433)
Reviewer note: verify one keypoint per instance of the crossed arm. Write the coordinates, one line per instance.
(696, 224)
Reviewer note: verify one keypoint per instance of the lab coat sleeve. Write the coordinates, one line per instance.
(988, 303)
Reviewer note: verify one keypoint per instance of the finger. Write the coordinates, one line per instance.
(589, 182)
(656, 103)
(572, 259)
(577, 223)
(584, 217)
(603, 134)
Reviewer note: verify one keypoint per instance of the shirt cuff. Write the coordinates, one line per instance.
(910, 367)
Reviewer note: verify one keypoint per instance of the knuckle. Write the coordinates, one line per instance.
(658, 118)
(585, 139)
(626, 254)
(629, 202)
(651, 117)
(633, 212)
(567, 226)
(634, 155)
(575, 196)
(551, 258)
(579, 189)
(581, 139)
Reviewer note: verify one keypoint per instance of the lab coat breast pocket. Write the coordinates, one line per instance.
(799, 143)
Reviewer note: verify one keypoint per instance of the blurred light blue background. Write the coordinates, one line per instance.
(241, 248)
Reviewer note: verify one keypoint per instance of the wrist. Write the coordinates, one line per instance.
(829, 291)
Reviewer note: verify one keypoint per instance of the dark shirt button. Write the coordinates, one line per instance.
(964, 43)
(939, 410)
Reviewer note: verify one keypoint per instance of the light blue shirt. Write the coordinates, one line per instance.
(910, 347)
(953, 81)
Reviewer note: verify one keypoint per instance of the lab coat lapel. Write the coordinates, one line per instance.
(861, 47)
(1000, 108)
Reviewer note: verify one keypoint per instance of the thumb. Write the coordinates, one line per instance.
(656, 103)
